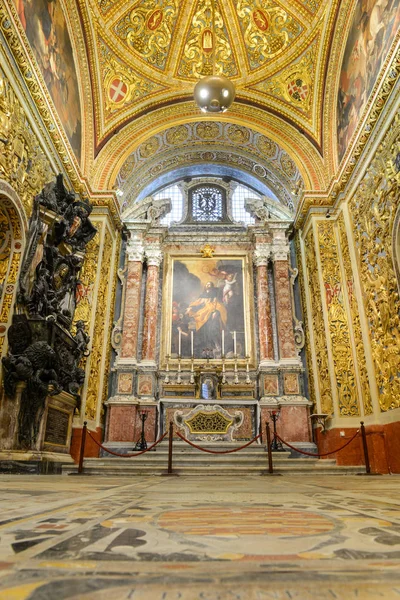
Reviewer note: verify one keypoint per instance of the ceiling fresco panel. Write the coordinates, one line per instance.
(374, 26)
(147, 29)
(47, 32)
(268, 30)
(123, 85)
(197, 57)
(295, 84)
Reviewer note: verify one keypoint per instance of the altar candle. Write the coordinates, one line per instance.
(179, 342)
(234, 343)
(223, 342)
(191, 339)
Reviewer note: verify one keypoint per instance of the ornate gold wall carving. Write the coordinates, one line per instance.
(307, 344)
(108, 338)
(321, 352)
(355, 317)
(87, 278)
(98, 339)
(373, 208)
(10, 259)
(343, 362)
(23, 163)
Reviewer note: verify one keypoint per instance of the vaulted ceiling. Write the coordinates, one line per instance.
(151, 52)
(146, 57)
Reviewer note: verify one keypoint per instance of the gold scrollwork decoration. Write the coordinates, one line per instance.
(320, 347)
(343, 362)
(355, 317)
(373, 209)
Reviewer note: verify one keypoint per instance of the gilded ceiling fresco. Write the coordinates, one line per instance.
(145, 56)
(153, 51)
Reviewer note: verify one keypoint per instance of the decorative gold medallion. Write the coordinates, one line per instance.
(207, 251)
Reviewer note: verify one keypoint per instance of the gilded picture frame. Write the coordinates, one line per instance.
(208, 309)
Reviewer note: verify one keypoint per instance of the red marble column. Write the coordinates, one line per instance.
(132, 302)
(265, 335)
(287, 346)
(154, 257)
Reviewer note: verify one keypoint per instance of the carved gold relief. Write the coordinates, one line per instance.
(343, 362)
(200, 47)
(209, 422)
(307, 343)
(373, 208)
(321, 352)
(267, 29)
(96, 374)
(148, 29)
(107, 341)
(294, 84)
(87, 279)
(355, 317)
(122, 83)
(22, 162)
(10, 259)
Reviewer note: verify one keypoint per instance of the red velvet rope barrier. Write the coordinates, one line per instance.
(318, 455)
(128, 455)
(215, 451)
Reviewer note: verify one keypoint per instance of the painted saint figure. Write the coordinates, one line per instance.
(210, 318)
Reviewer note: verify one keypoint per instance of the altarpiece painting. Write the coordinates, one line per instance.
(208, 308)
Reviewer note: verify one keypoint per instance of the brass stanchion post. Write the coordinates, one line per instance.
(170, 443)
(365, 447)
(270, 465)
(82, 452)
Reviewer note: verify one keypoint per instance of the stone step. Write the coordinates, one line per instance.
(184, 460)
(205, 470)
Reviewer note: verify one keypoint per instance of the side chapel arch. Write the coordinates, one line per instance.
(12, 242)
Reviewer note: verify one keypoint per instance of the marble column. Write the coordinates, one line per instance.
(284, 316)
(262, 254)
(151, 308)
(135, 253)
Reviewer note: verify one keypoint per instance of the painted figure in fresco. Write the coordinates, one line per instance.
(210, 317)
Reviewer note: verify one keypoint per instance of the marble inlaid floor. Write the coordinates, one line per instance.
(192, 538)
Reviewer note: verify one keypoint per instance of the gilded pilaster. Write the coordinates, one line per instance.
(343, 362)
(96, 375)
(306, 309)
(354, 321)
(320, 343)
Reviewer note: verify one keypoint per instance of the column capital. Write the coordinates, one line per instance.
(280, 251)
(154, 254)
(135, 250)
(261, 254)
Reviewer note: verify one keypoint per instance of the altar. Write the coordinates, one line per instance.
(209, 335)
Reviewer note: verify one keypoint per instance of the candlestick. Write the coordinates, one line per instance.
(166, 378)
(223, 343)
(179, 342)
(236, 378)
(192, 372)
(191, 341)
(234, 343)
(223, 371)
(179, 378)
(248, 380)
